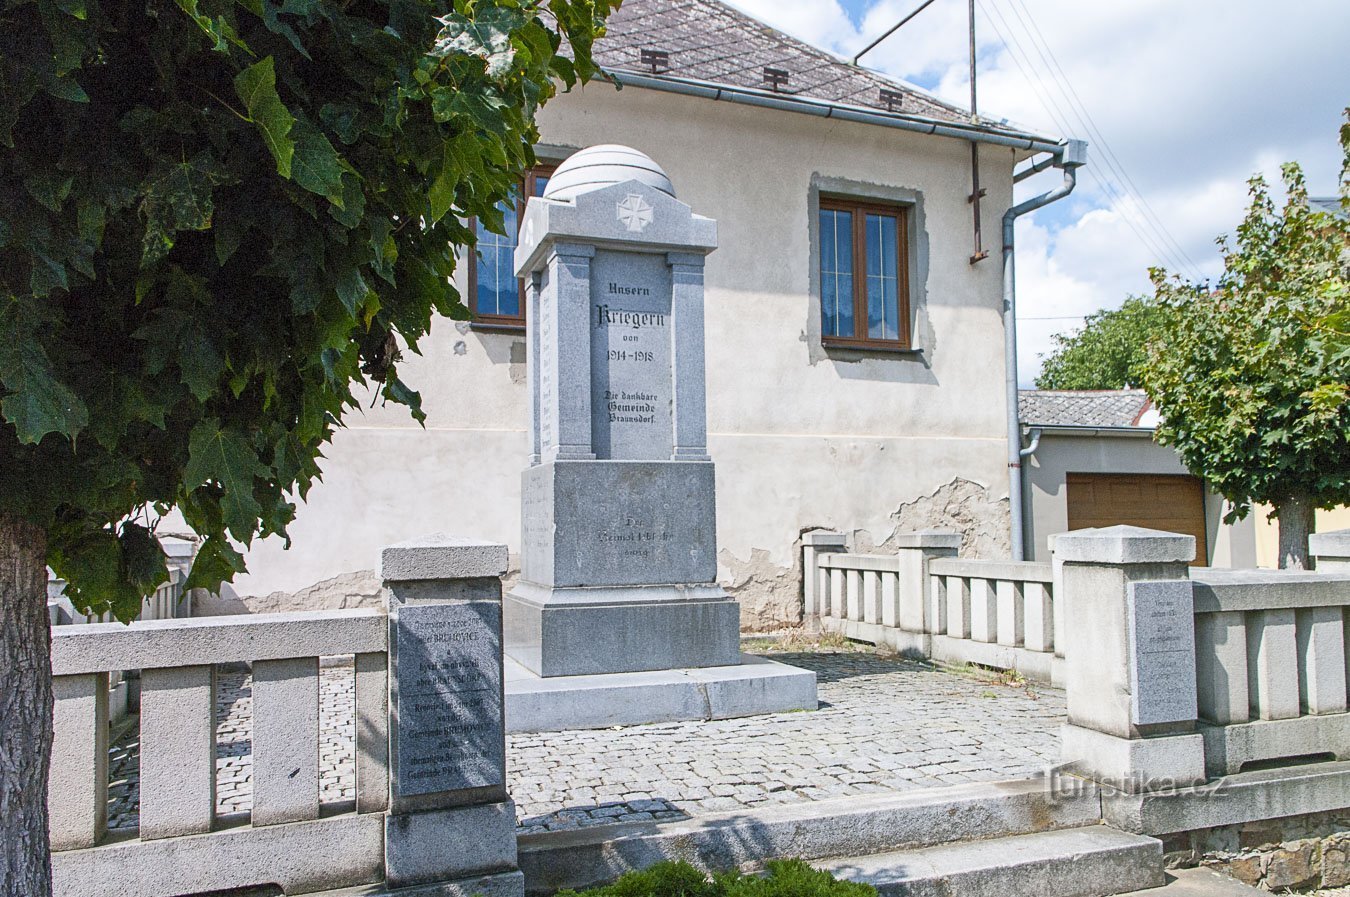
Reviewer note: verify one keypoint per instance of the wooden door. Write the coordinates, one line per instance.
(1173, 503)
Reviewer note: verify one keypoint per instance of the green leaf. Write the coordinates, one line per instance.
(36, 402)
(351, 289)
(256, 86)
(216, 562)
(224, 456)
(487, 35)
(218, 29)
(316, 166)
(143, 561)
(178, 199)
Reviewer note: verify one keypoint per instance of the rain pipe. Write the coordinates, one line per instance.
(1072, 156)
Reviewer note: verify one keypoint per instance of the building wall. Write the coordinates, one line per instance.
(1060, 455)
(801, 438)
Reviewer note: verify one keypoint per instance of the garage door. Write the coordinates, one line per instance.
(1156, 501)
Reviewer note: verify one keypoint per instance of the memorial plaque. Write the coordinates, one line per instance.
(631, 375)
(449, 732)
(1161, 632)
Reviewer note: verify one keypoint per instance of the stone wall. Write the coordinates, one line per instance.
(1297, 853)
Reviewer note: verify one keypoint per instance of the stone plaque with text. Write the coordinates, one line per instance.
(1161, 632)
(631, 375)
(448, 731)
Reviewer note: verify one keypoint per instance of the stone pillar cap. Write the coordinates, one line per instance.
(929, 538)
(439, 556)
(1124, 545)
(823, 537)
(1335, 544)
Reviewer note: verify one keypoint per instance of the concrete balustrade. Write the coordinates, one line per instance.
(1271, 665)
(1176, 675)
(925, 599)
(452, 826)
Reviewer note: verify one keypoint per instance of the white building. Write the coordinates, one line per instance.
(855, 352)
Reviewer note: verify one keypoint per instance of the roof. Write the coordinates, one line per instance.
(1331, 204)
(709, 41)
(1083, 408)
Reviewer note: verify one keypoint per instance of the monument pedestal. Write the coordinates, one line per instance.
(582, 631)
(618, 617)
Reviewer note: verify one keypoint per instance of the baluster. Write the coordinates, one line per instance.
(1221, 667)
(1010, 613)
(285, 740)
(958, 607)
(1321, 654)
(1272, 664)
(837, 594)
(178, 751)
(890, 599)
(77, 786)
(983, 610)
(937, 597)
(853, 588)
(871, 596)
(1038, 628)
(372, 732)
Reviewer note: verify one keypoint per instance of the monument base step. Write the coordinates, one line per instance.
(752, 687)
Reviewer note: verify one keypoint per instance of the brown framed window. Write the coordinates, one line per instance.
(864, 274)
(496, 295)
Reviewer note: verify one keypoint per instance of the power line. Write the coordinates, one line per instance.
(1077, 105)
(1022, 59)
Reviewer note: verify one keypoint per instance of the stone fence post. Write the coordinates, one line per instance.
(450, 820)
(813, 546)
(1129, 650)
(913, 552)
(1330, 551)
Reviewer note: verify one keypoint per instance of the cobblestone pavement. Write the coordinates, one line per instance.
(885, 724)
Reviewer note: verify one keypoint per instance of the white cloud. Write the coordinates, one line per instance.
(1192, 98)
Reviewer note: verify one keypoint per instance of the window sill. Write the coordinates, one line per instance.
(869, 347)
(497, 326)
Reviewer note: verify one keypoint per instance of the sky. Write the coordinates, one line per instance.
(1181, 101)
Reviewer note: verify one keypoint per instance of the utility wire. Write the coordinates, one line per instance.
(1022, 59)
(1077, 105)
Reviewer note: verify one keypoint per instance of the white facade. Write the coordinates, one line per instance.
(802, 437)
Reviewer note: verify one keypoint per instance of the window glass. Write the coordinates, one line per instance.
(882, 284)
(498, 291)
(836, 272)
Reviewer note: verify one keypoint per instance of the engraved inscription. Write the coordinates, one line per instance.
(631, 371)
(449, 732)
(1161, 627)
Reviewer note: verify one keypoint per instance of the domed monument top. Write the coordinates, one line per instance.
(601, 166)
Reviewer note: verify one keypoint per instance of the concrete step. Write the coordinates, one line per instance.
(1201, 883)
(1092, 861)
(862, 824)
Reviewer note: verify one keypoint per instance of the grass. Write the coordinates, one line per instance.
(800, 641)
(782, 878)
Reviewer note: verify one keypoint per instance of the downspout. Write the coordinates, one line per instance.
(1073, 156)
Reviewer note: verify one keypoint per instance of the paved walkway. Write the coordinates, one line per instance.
(885, 724)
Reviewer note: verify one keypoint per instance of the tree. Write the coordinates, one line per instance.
(1250, 377)
(220, 223)
(1108, 353)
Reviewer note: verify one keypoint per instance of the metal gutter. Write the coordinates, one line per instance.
(826, 109)
(1073, 155)
(1073, 430)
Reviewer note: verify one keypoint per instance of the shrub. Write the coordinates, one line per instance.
(782, 878)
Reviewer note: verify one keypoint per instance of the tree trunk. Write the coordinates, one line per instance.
(25, 710)
(1297, 521)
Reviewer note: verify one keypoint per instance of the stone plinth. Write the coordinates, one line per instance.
(1129, 641)
(450, 818)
